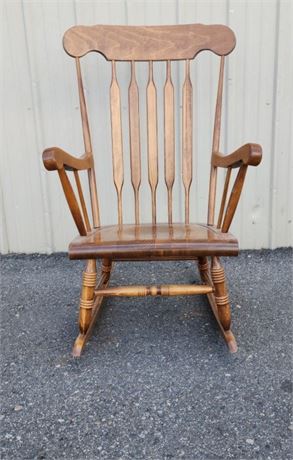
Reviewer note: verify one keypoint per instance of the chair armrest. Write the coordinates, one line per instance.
(56, 159)
(248, 154)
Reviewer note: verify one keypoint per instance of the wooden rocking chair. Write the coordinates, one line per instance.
(153, 241)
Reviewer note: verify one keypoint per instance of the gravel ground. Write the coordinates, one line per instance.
(156, 380)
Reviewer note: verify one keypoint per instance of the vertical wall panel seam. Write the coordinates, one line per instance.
(257, 172)
(226, 90)
(126, 12)
(5, 240)
(74, 11)
(38, 136)
(16, 236)
(243, 219)
(273, 131)
(6, 245)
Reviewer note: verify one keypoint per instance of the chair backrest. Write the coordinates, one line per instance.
(150, 43)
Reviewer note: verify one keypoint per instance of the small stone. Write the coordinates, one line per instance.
(60, 420)
(18, 407)
(290, 427)
(250, 441)
(18, 438)
(238, 306)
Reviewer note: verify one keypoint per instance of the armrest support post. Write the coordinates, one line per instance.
(72, 202)
(224, 197)
(234, 198)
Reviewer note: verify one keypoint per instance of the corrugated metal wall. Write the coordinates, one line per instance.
(40, 109)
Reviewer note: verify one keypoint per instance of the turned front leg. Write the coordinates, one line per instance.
(221, 293)
(89, 278)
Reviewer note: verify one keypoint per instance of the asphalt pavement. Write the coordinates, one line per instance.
(156, 381)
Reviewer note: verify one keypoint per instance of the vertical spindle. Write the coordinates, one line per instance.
(215, 146)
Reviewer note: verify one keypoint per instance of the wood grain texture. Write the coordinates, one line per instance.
(234, 198)
(224, 197)
(169, 138)
(248, 154)
(88, 147)
(221, 293)
(215, 146)
(134, 134)
(148, 240)
(82, 202)
(152, 241)
(83, 337)
(55, 158)
(205, 274)
(83, 110)
(87, 296)
(164, 289)
(72, 201)
(152, 131)
(117, 147)
(187, 129)
(149, 43)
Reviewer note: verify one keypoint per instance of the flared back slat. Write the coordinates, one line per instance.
(152, 131)
(117, 147)
(134, 134)
(187, 138)
(169, 138)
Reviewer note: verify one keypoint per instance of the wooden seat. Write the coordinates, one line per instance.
(147, 241)
(152, 241)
